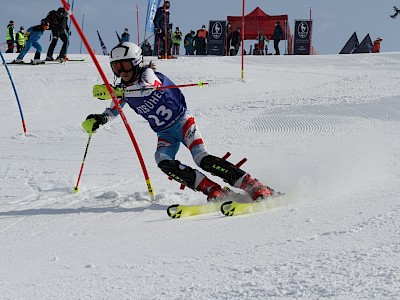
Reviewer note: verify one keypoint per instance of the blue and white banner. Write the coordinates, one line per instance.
(151, 12)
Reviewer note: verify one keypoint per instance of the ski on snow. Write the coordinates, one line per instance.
(42, 62)
(227, 208)
(234, 208)
(178, 211)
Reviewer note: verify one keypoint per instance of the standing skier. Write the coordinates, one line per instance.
(33, 34)
(59, 30)
(167, 114)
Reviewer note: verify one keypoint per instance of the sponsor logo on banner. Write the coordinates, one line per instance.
(303, 30)
(216, 30)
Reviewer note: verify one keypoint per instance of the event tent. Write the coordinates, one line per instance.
(258, 20)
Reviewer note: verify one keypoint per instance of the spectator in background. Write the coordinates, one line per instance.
(10, 37)
(236, 41)
(176, 41)
(261, 39)
(201, 41)
(125, 36)
(376, 47)
(278, 35)
(20, 39)
(146, 48)
(161, 25)
(228, 38)
(189, 43)
(59, 30)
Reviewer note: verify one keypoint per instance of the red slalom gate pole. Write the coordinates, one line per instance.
(76, 189)
(114, 98)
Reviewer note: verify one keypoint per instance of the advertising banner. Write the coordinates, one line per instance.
(216, 38)
(302, 37)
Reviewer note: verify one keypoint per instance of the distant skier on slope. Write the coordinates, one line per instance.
(33, 35)
(167, 114)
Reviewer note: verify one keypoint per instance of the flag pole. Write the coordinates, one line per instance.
(243, 40)
(137, 24)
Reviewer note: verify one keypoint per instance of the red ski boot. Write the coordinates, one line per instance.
(213, 190)
(255, 188)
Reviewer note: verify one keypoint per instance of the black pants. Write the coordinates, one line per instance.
(53, 45)
(10, 46)
(276, 47)
(19, 48)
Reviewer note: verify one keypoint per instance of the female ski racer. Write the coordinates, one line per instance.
(166, 112)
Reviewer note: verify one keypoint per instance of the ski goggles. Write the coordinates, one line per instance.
(120, 66)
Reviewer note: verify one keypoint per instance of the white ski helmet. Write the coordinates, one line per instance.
(130, 52)
(127, 51)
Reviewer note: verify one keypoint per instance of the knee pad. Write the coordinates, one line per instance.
(221, 168)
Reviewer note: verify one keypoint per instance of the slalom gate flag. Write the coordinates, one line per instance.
(119, 38)
(151, 12)
(105, 52)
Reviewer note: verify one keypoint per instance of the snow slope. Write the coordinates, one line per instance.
(323, 129)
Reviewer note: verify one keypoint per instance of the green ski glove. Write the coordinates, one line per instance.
(100, 91)
(93, 122)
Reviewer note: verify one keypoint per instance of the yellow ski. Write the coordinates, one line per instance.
(233, 208)
(177, 211)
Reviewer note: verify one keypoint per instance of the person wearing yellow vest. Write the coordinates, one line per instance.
(10, 37)
(20, 39)
(176, 41)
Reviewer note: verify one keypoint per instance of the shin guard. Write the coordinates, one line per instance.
(181, 173)
(222, 168)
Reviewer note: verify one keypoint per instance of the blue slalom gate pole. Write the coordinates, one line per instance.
(15, 92)
(83, 21)
(69, 28)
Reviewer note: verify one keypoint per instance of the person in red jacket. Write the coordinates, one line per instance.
(376, 47)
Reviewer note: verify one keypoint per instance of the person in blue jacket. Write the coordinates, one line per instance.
(125, 36)
(33, 34)
(166, 112)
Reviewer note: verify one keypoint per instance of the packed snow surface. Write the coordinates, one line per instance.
(322, 129)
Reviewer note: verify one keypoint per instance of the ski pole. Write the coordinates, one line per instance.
(199, 84)
(114, 98)
(15, 92)
(76, 189)
(157, 88)
(101, 92)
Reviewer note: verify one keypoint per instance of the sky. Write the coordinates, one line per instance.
(334, 21)
(330, 140)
